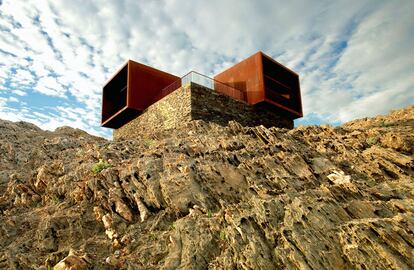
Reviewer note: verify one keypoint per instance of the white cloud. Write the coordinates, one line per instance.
(9, 114)
(24, 76)
(19, 93)
(3, 101)
(378, 60)
(12, 99)
(50, 86)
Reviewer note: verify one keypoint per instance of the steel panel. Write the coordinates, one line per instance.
(265, 80)
(130, 91)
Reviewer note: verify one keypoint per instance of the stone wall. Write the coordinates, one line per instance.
(167, 113)
(212, 106)
(194, 102)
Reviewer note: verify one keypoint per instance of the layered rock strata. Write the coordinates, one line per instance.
(207, 196)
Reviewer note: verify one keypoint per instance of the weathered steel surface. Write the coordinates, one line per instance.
(246, 76)
(265, 80)
(130, 91)
(145, 83)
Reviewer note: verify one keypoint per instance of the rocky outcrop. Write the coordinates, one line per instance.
(204, 196)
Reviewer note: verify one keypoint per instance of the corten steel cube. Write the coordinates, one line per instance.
(265, 81)
(130, 91)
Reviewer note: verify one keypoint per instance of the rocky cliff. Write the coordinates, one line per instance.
(210, 197)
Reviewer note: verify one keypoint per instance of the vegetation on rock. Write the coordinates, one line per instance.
(99, 166)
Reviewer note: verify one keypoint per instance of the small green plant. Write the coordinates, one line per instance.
(38, 204)
(371, 140)
(223, 235)
(173, 226)
(371, 182)
(209, 213)
(368, 180)
(99, 166)
(49, 267)
(387, 124)
(148, 142)
(153, 236)
(55, 199)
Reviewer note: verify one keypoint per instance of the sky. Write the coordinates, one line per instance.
(355, 58)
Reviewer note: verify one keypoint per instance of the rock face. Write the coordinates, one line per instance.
(207, 196)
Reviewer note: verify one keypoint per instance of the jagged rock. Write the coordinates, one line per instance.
(339, 177)
(143, 211)
(72, 262)
(205, 196)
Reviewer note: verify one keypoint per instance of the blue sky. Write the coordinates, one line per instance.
(354, 58)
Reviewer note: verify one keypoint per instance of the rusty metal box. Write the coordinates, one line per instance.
(130, 91)
(263, 80)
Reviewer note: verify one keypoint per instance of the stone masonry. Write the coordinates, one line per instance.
(195, 102)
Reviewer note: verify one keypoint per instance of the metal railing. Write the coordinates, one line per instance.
(204, 81)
